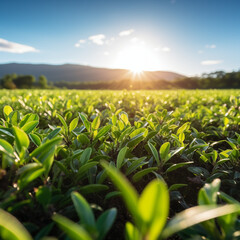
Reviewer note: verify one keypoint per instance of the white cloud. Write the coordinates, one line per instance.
(80, 42)
(97, 39)
(211, 46)
(12, 47)
(166, 49)
(211, 62)
(126, 32)
(110, 40)
(106, 53)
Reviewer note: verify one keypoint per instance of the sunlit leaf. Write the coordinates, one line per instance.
(11, 228)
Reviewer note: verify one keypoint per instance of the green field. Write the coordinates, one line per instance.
(119, 164)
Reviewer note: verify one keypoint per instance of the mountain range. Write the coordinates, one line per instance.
(81, 73)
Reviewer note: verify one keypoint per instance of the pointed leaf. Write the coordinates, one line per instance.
(105, 222)
(73, 230)
(21, 138)
(28, 127)
(164, 151)
(121, 156)
(196, 215)
(12, 228)
(73, 124)
(83, 209)
(154, 152)
(154, 214)
(129, 194)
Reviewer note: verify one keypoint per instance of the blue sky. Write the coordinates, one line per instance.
(185, 36)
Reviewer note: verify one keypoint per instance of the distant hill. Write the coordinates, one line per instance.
(81, 73)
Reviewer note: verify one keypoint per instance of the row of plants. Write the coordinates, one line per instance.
(69, 159)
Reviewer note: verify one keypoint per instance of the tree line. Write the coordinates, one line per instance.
(14, 81)
(218, 80)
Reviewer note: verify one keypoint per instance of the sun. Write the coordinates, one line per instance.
(137, 58)
(133, 58)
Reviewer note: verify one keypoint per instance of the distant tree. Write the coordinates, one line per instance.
(25, 81)
(42, 81)
(7, 81)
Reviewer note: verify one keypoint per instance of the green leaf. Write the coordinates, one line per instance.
(174, 152)
(85, 121)
(121, 156)
(6, 147)
(6, 111)
(208, 194)
(227, 198)
(136, 163)
(73, 230)
(196, 215)
(41, 235)
(62, 167)
(93, 188)
(124, 117)
(14, 117)
(112, 194)
(83, 209)
(133, 142)
(183, 128)
(176, 186)
(44, 148)
(83, 169)
(96, 123)
(140, 174)
(73, 124)
(6, 131)
(105, 222)
(199, 171)
(28, 118)
(63, 123)
(83, 139)
(11, 228)
(35, 139)
(29, 177)
(154, 153)
(103, 131)
(114, 120)
(177, 165)
(131, 232)
(21, 138)
(138, 131)
(154, 214)
(129, 194)
(86, 155)
(164, 151)
(28, 127)
(29, 167)
(54, 133)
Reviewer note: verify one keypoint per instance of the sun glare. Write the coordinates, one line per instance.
(137, 58)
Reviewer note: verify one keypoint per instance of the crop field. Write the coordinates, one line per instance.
(135, 165)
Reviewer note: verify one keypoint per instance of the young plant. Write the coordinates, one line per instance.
(89, 228)
(150, 217)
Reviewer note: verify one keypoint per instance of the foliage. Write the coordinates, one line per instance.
(68, 159)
